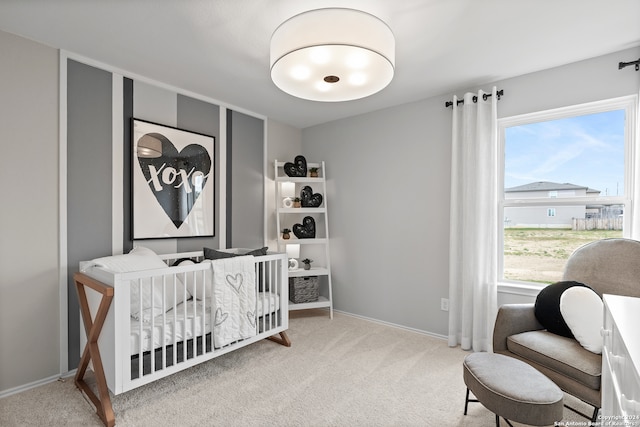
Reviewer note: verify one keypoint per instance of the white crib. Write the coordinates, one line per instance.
(144, 325)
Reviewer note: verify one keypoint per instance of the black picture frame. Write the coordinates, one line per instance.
(173, 182)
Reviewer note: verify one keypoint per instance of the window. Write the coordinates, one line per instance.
(567, 180)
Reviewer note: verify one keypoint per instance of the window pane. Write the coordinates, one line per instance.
(582, 156)
(586, 152)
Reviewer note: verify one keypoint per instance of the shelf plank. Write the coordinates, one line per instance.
(321, 303)
(309, 164)
(301, 241)
(301, 179)
(302, 210)
(314, 271)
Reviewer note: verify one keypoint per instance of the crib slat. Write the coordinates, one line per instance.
(184, 329)
(140, 332)
(174, 353)
(163, 347)
(203, 316)
(152, 358)
(274, 295)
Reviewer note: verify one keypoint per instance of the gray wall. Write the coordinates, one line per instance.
(388, 199)
(29, 218)
(388, 194)
(89, 165)
(246, 198)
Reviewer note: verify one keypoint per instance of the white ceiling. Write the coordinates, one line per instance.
(220, 48)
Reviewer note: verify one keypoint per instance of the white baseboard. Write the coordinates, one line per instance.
(25, 387)
(393, 325)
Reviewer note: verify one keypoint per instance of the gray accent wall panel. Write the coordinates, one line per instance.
(202, 117)
(89, 171)
(247, 181)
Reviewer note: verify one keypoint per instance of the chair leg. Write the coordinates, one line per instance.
(466, 402)
(594, 416)
(466, 406)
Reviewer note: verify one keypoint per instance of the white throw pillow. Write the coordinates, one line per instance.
(582, 310)
(139, 259)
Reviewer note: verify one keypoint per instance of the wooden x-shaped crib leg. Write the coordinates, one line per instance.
(283, 339)
(91, 351)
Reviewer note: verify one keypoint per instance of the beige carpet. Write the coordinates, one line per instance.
(341, 372)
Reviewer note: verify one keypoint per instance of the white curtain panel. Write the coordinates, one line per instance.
(473, 257)
(635, 207)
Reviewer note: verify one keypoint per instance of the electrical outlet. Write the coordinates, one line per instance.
(444, 304)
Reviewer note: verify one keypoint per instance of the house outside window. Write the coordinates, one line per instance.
(567, 180)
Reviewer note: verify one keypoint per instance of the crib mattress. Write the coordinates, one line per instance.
(189, 326)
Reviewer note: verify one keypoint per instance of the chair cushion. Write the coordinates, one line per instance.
(561, 354)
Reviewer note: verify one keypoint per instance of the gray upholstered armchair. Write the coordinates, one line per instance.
(609, 266)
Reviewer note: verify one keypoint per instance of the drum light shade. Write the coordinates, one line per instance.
(332, 55)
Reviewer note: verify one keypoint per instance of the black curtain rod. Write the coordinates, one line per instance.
(622, 65)
(475, 98)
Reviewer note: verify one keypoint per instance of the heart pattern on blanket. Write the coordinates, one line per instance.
(309, 199)
(251, 317)
(296, 169)
(235, 281)
(176, 178)
(220, 317)
(306, 230)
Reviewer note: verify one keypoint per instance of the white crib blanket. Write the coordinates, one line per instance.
(234, 299)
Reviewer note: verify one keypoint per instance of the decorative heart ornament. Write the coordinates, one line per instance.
(296, 169)
(306, 230)
(175, 178)
(309, 199)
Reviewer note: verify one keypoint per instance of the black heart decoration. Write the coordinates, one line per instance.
(306, 230)
(309, 199)
(296, 169)
(171, 177)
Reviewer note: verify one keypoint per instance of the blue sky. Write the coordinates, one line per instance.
(585, 150)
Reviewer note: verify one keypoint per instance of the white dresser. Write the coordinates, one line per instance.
(621, 361)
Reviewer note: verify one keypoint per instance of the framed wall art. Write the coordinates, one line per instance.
(173, 182)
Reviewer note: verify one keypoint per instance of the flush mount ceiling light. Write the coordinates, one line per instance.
(332, 55)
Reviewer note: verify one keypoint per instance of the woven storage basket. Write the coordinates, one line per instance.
(303, 289)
